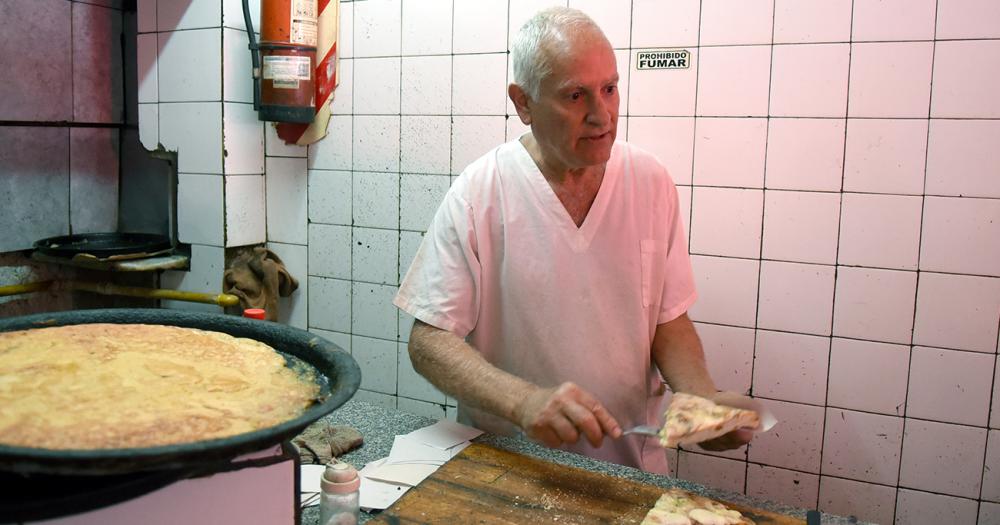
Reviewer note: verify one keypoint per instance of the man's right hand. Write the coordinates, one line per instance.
(561, 414)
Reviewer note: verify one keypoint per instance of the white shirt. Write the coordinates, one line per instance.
(504, 265)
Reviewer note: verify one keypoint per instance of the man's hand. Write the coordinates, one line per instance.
(560, 414)
(734, 439)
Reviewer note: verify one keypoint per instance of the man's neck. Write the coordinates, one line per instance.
(576, 188)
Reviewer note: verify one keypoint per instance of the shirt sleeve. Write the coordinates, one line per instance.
(678, 287)
(441, 288)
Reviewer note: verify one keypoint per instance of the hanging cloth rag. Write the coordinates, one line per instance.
(258, 277)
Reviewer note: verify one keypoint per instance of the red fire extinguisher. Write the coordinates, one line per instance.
(284, 69)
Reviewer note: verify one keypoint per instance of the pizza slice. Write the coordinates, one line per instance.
(677, 507)
(692, 419)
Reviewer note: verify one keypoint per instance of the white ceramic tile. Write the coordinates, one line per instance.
(950, 386)
(377, 28)
(959, 235)
(880, 230)
(647, 87)
(149, 125)
(274, 146)
(991, 472)
(376, 200)
(345, 38)
(727, 290)
(330, 304)
(480, 84)
(795, 489)
(796, 21)
(729, 23)
(421, 408)
(968, 19)
(200, 209)
(885, 156)
(46, 151)
(729, 354)
(963, 88)
(146, 50)
(726, 221)
(373, 312)
(795, 442)
(330, 250)
(330, 197)
(862, 446)
(340, 339)
(405, 326)
(190, 66)
(376, 143)
(334, 151)
(187, 15)
(480, 26)
(425, 144)
(93, 179)
(614, 19)
(957, 311)
(730, 152)
(194, 131)
(874, 304)
(374, 257)
(670, 139)
(376, 398)
(426, 85)
(868, 376)
(287, 184)
(205, 276)
(995, 404)
(426, 27)
(805, 154)
(412, 384)
(801, 226)
(473, 137)
(923, 508)
(379, 80)
(520, 11)
(343, 94)
(942, 457)
(422, 195)
(40, 93)
(293, 310)
(659, 24)
(146, 15)
(961, 158)
(989, 513)
(243, 140)
(245, 210)
(237, 69)
(795, 297)
(733, 81)
(810, 80)
(890, 80)
(791, 367)
(377, 360)
(232, 14)
(516, 128)
(684, 203)
(409, 242)
(893, 20)
(865, 501)
(718, 473)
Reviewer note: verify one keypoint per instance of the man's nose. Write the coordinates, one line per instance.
(598, 111)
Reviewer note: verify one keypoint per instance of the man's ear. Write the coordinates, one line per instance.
(520, 99)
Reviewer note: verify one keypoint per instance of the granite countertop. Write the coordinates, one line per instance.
(379, 425)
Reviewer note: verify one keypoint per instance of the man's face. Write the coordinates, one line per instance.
(575, 120)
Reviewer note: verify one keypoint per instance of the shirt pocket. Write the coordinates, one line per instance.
(653, 256)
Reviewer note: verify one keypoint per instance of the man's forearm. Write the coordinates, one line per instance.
(458, 370)
(678, 354)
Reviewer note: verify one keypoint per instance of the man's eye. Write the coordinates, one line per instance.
(575, 95)
(610, 89)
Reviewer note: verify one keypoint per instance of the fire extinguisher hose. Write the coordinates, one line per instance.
(254, 56)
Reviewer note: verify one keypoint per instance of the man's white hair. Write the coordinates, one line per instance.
(547, 28)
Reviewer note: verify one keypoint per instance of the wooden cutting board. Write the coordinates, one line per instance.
(484, 484)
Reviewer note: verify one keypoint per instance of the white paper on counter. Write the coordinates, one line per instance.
(406, 473)
(309, 488)
(405, 449)
(444, 434)
(376, 494)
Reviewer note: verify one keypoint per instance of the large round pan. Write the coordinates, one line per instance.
(338, 376)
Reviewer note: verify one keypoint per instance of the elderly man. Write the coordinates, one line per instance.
(550, 292)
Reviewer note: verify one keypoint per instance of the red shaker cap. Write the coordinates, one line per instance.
(254, 313)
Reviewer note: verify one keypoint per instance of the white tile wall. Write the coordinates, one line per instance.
(246, 210)
(146, 68)
(93, 179)
(237, 83)
(188, 65)
(991, 472)
(205, 276)
(200, 209)
(403, 128)
(330, 250)
(719, 473)
(343, 95)
(243, 141)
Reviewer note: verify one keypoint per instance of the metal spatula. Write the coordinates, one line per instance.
(646, 430)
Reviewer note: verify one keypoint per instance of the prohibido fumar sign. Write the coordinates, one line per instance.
(663, 59)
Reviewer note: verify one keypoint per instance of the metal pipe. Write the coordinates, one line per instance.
(221, 299)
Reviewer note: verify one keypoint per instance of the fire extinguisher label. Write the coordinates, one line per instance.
(303, 22)
(286, 71)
